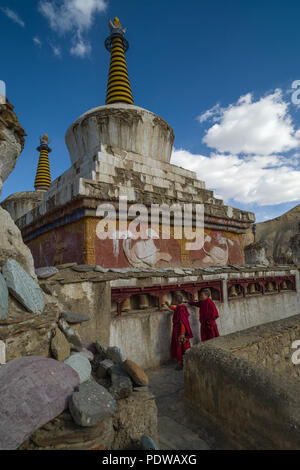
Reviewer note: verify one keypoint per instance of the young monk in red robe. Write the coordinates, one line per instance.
(208, 316)
(182, 332)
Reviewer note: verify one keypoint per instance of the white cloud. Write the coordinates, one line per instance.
(265, 180)
(56, 50)
(262, 127)
(75, 17)
(13, 15)
(37, 41)
(81, 48)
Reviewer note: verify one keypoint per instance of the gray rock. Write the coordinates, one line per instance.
(47, 272)
(3, 298)
(85, 353)
(148, 443)
(74, 318)
(99, 269)
(33, 390)
(83, 268)
(23, 287)
(104, 368)
(81, 365)
(115, 354)
(91, 404)
(121, 384)
(60, 347)
(70, 334)
(100, 349)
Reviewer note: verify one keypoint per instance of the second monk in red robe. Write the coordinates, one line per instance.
(208, 315)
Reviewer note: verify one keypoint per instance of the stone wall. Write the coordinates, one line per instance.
(243, 381)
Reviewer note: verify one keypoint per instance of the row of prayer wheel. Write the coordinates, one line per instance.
(236, 290)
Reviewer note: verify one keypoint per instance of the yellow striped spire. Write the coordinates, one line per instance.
(118, 87)
(43, 177)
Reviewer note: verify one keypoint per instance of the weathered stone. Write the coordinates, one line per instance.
(2, 353)
(60, 347)
(100, 350)
(104, 368)
(46, 273)
(85, 353)
(28, 335)
(60, 267)
(62, 433)
(136, 373)
(81, 365)
(23, 287)
(115, 354)
(74, 318)
(3, 298)
(91, 404)
(121, 385)
(99, 269)
(134, 417)
(83, 268)
(11, 141)
(148, 443)
(12, 245)
(33, 391)
(70, 334)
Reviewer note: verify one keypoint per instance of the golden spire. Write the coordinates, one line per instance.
(118, 87)
(43, 177)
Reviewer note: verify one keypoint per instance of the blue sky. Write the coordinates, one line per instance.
(219, 71)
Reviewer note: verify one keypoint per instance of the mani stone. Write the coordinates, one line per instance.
(99, 269)
(115, 354)
(83, 268)
(23, 287)
(148, 443)
(33, 391)
(74, 318)
(81, 365)
(70, 334)
(91, 404)
(121, 385)
(136, 373)
(60, 346)
(3, 298)
(104, 368)
(46, 273)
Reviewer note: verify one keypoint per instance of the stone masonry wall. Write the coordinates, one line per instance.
(238, 381)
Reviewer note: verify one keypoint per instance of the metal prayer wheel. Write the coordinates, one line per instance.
(270, 286)
(252, 288)
(166, 298)
(233, 291)
(126, 305)
(114, 306)
(284, 285)
(143, 301)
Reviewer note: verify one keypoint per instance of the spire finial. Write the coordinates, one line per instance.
(118, 88)
(43, 177)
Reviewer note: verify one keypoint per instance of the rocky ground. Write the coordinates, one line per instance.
(179, 428)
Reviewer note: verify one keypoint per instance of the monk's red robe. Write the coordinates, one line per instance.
(208, 315)
(181, 325)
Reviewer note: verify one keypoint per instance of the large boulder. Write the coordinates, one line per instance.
(12, 245)
(11, 141)
(33, 391)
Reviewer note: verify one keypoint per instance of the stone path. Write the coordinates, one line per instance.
(180, 428)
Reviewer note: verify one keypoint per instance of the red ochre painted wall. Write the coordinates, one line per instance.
(78, 242)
